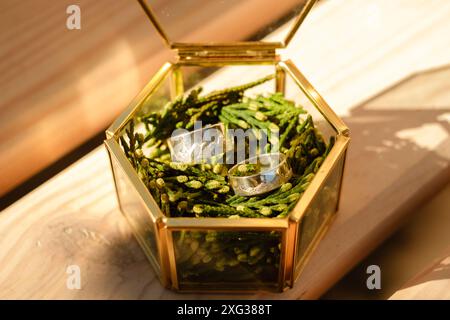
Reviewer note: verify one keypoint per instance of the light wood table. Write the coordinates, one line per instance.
(431, 284)
(399, 157)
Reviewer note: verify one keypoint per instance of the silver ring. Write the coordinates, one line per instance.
(197, 146)
(259, 174)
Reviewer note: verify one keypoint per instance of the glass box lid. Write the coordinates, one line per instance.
(225, 22)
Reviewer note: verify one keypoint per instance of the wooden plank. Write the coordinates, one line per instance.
(399, 157)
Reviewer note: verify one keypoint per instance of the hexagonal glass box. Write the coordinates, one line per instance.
(169, 241)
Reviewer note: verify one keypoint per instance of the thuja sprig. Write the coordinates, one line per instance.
(184, 111)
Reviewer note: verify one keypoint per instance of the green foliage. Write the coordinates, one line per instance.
(202, 190)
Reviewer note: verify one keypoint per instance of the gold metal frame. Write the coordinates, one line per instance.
(203, 55)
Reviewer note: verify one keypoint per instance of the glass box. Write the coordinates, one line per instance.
(196, 254)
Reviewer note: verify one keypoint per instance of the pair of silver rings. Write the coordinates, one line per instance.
(253, 176)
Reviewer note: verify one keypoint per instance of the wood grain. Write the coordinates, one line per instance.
(399, 157)
(59, 87)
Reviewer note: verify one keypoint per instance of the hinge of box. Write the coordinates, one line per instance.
(255, 53)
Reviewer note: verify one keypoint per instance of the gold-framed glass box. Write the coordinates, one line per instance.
(169, 241)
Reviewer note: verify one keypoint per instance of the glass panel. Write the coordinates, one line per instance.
(216, 78)
(135, 140)
(317, 215)
(222, 260)
(137, 215)
(157, 100)
(202, 21)
(293, 92)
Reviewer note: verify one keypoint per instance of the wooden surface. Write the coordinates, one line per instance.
(420, 241)
(399, 157)
(431, 284)
(59, 87)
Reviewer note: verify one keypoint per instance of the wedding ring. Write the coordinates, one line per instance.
(259, 174)
(199, 146)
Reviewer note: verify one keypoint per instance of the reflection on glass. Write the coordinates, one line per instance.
(211, 259)
(137, 215)
(295, 94)
(225, 20)
(227, 259)
(317, 215)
